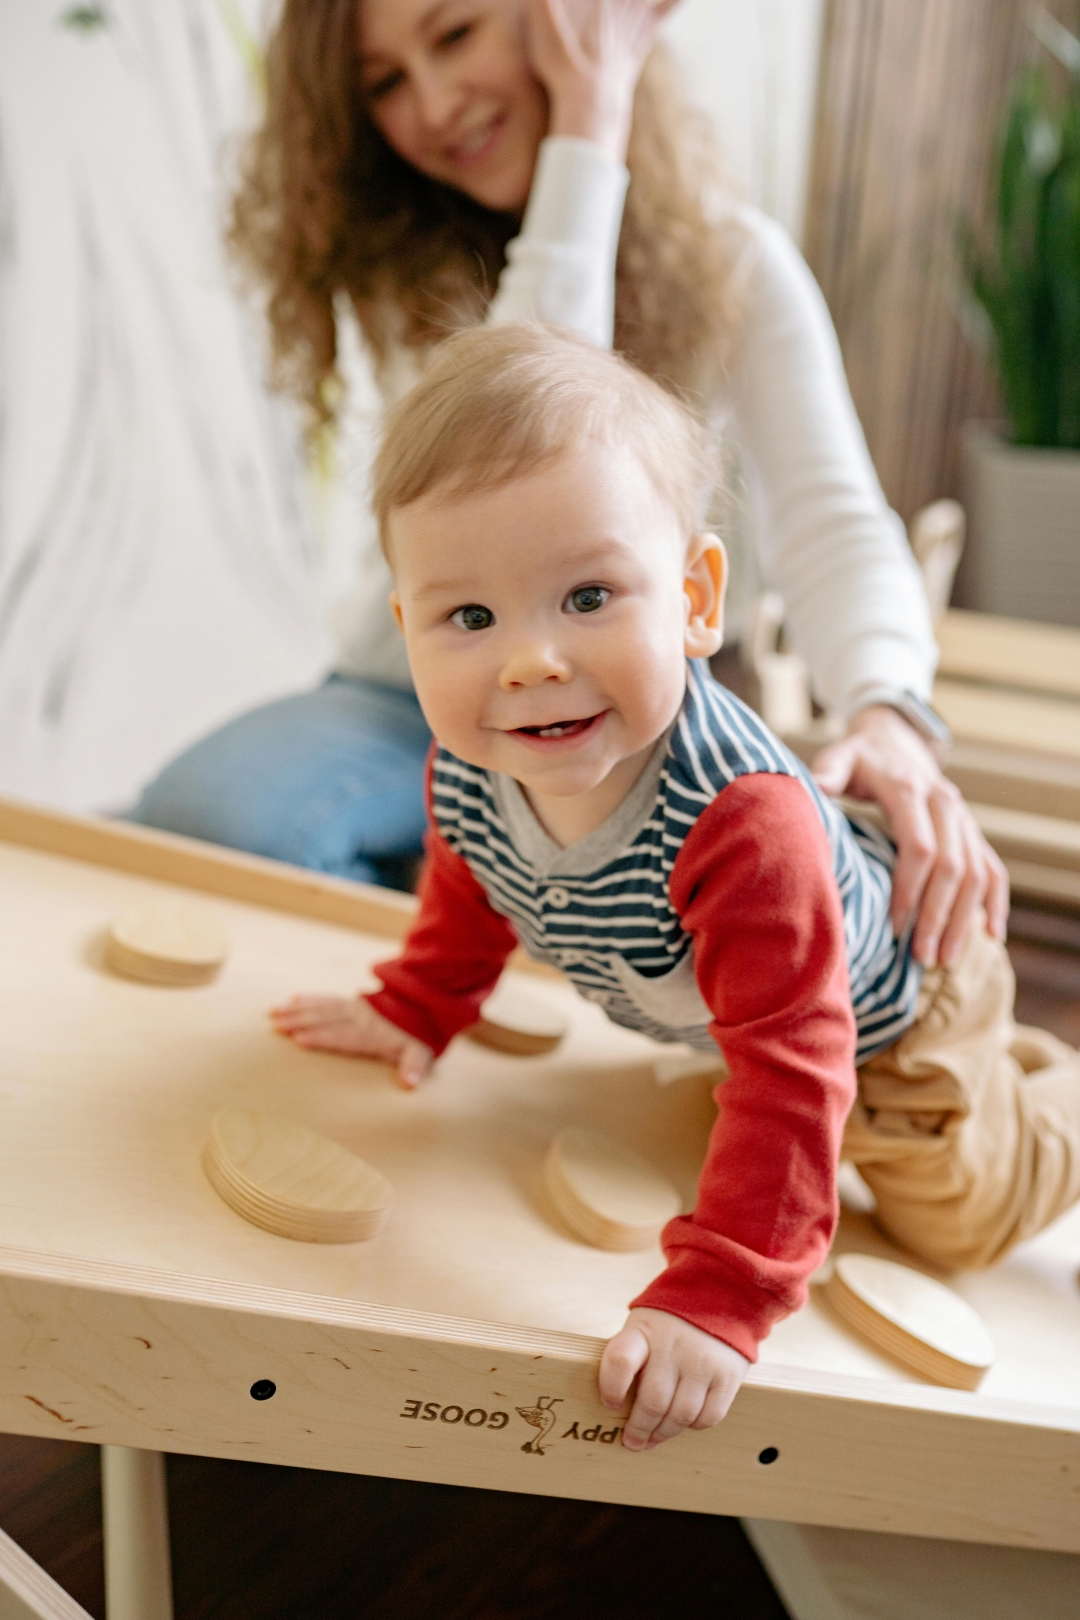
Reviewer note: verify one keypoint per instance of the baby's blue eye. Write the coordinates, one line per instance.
(586, 599)
(473, 617)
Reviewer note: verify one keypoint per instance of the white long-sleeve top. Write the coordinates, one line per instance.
(827, 539)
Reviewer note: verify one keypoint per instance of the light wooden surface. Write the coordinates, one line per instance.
(1019, 835)
(1016, 780)
(27, 1593)
(912, 1317)
(1028, 721)
(512, 1020)
(607, 1194)
(288, 1179)
(139, 1310)
(173, 943)
(1009, 652)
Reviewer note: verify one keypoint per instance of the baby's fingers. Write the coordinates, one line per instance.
(684, 1412)
(652, 1403)
(715, 1405)
(623, 1358)
(414, 1064)
(307, 1010)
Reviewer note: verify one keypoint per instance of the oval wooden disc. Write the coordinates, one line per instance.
(608, 1194)
(167, 942)
(913, 1318)
(292, 1181)
(513, 1021)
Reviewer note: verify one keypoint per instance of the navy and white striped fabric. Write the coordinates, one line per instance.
(613, 929)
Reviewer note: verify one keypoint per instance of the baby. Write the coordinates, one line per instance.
(596, 797)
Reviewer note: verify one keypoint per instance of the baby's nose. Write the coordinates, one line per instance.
(532, 662)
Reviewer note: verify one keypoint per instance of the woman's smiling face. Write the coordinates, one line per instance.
(449, 86)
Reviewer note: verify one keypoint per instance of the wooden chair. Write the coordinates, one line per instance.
(1008, 689)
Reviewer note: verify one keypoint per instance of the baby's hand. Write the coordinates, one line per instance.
(338, 1024)
(689, 1379)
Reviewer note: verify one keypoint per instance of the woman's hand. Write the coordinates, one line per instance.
(686, 1379)
(945, 869)
(588, 55)
(353, 1027)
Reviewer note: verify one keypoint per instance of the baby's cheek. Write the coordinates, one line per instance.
(452, 701)
(649, 674)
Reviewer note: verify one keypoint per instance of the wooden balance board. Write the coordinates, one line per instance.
(512, 1020)
(606, 1193)
(281, 1176)
(167, 942)
(136, 1309)
(917, 1321)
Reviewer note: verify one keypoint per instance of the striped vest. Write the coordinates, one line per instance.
(601, 911)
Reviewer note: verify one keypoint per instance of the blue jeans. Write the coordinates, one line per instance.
(331, 779)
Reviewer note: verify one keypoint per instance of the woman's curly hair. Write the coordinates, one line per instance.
(326, 208)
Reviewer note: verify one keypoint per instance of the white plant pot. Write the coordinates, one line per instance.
(1023, 549)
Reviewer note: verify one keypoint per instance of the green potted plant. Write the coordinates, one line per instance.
(1022, 477)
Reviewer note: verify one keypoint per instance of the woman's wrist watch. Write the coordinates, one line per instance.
(915, 710)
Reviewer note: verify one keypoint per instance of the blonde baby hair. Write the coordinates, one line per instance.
(499, 402)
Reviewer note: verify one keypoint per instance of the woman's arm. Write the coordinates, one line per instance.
(856, 609)
(561, 269)
(588, 54)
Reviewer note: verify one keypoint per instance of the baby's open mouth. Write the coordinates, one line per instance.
(560, 728)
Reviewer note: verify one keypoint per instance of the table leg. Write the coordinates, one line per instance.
(138, 1570)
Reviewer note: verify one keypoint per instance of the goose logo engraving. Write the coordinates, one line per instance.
(542, 1417)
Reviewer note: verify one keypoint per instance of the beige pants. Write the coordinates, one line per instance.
(968, 1129)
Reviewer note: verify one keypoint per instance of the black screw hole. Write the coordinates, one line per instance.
(262, 1389)
(769, 1455)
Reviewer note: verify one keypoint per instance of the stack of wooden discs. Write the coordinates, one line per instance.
(914, 1319)
(167, 942)
(513, 1021)
(606, 1193)
(291, 1181)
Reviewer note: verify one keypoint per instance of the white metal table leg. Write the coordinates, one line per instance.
(138, 1568)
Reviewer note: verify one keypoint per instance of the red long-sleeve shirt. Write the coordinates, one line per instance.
(753, 885)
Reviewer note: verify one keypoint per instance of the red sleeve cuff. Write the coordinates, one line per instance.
(436, 1019)
(727, 1301)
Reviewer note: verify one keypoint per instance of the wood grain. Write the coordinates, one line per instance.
(27, 1593)
(146, 1312)
(1009, 652)
(908, 103)
(913, 1318)
(359, 1382)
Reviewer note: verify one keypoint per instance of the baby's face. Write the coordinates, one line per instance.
(548, 620)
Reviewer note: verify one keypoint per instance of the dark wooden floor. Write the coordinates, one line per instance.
(258, 1543)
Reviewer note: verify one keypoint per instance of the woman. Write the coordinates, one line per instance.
(430, 162)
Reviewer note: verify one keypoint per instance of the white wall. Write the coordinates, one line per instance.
(156, 563)
(753, 65)
(160, 564)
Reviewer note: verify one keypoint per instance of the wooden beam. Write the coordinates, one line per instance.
(191, 864)
(27, 1593)
(1026, 721)
(127, 1356)
(1009, 652)
(1017, 835)
(1016, 780)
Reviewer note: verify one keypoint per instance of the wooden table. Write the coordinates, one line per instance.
(139, 1311)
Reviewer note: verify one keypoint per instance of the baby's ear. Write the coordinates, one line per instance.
(704, 584)
(395, 608)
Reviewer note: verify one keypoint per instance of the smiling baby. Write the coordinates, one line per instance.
(596, 797)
